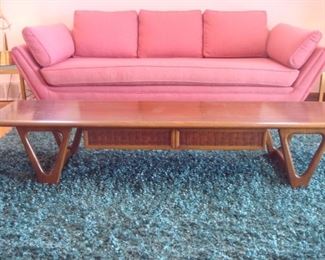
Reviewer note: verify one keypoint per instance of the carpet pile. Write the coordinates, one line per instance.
(160, 204)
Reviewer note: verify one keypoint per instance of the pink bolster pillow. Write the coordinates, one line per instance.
(49, 44)
(292, 46)
(170, 34)
(234, 34)
(106, 34)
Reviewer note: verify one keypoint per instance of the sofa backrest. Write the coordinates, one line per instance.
(170, 34)
(106, 34)
(235, 34)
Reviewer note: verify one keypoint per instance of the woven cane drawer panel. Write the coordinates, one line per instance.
(222, 138)
(128, 138)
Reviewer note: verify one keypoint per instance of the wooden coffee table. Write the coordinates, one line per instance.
(167, 125)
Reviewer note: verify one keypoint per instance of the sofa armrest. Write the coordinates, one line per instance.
(292, 46)
(49, 44)
(30, 70)
(309, 74)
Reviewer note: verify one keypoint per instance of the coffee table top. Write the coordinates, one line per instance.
(164, 114)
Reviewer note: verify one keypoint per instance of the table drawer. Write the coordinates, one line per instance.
(225, 139)
(184, 138)
(128, 138)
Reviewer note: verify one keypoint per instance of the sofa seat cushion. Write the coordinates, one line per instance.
(174, 71)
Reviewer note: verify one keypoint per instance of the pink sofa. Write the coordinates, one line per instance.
(176, 55)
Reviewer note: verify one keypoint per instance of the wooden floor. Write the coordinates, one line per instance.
(4, 130)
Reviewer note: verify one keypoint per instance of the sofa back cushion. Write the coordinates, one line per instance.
(49, 44)
(235, 34)
(106, 34)
(170, 34)
(292, 46)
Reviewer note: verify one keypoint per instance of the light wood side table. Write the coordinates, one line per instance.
(11, 70)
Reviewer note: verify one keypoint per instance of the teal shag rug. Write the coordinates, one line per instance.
(160, 205)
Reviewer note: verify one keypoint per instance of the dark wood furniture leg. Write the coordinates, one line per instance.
(269, 142)
(284, 154)
(62, 136)
(321, 87)
(22, 87)
(73, 148)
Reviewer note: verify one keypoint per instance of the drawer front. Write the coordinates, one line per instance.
(226, 139)
(128, 138)
(184, 138)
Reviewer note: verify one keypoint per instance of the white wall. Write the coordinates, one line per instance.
(309, 14)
